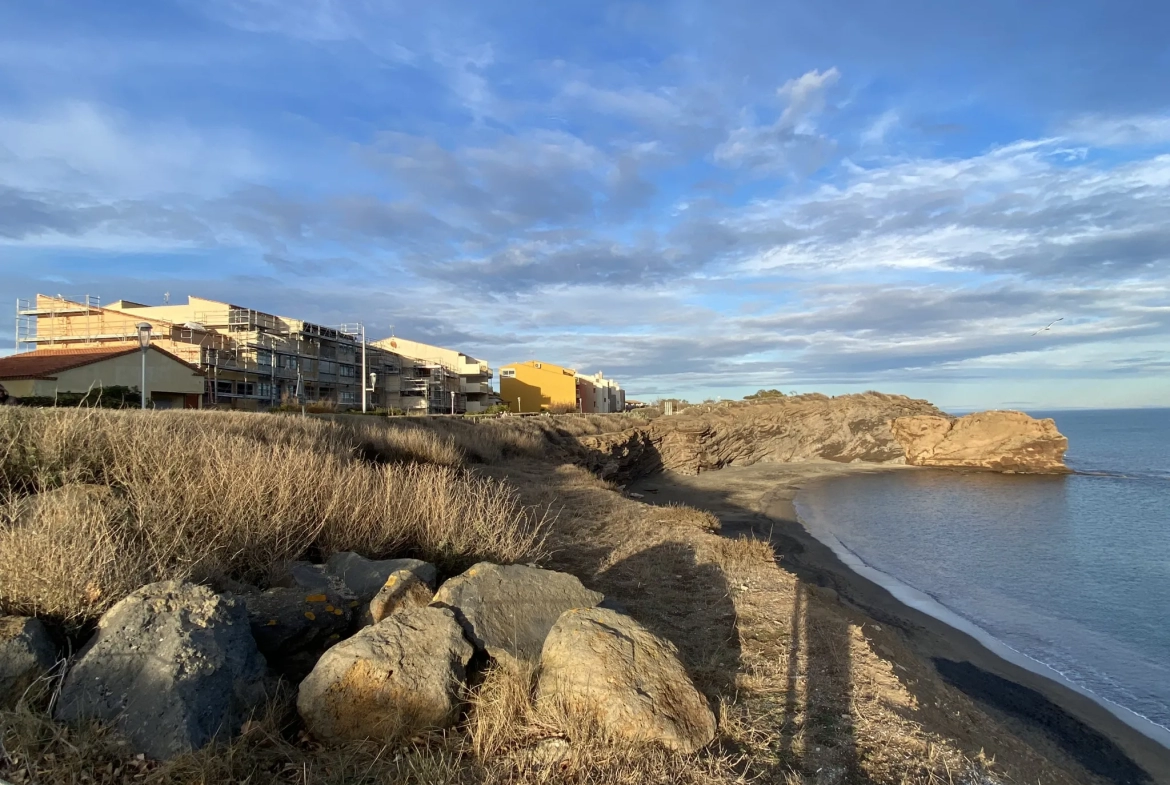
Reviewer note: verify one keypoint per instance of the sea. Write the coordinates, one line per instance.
(1070, 574)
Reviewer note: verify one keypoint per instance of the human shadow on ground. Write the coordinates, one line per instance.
(827, 687)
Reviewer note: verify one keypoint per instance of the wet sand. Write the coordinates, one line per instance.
(1052, 718)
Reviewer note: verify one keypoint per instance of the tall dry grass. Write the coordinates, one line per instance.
(95, 503)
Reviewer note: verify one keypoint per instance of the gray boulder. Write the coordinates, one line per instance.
(508, 611)
(293, 626)
(403, 590)
(365, 577)
(26, 654)
(398, 677)
(603, 667)
(172, 666)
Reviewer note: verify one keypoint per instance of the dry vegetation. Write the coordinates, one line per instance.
(800, 695)
(96, 503)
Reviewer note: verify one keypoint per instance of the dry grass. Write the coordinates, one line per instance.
(210, 495)
(801, 696)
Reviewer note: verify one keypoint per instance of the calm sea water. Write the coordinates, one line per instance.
(1072, 571)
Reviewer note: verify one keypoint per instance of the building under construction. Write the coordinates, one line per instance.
(252, 360)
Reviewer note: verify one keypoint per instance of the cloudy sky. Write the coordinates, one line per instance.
(700, 199)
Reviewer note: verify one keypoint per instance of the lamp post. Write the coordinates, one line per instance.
(373, 381)
(143, 344)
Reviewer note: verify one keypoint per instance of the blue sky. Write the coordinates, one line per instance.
(700, 199)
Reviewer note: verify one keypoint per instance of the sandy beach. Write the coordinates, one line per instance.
(1010, 705)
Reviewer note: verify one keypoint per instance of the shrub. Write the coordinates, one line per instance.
(204, 495)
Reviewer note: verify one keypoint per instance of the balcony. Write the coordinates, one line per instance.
(476, 388)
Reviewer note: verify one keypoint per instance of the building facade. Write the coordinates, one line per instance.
(250, 359)
(473, 377)
(600, 394)
(171, 383)
(535, 386)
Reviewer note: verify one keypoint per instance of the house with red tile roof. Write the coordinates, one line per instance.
(171, 383)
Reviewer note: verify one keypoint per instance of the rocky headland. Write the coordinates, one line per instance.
(864, 428)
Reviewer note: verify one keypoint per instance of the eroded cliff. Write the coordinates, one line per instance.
(869, 428)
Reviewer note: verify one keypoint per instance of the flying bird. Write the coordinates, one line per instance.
(1049, 327)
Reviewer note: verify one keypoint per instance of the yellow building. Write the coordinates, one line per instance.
(171, 383)
(535, 386)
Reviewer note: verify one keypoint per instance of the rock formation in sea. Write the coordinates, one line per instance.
(867, 427)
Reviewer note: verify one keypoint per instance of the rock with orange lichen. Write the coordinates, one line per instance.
(390, 680)
(293, 626)
(507, 611)
(602, 669)
(403, 590)
(366, 577)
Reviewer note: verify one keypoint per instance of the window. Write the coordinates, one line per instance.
(508, 373)
(223, 388)
(348, 370)
(286, 361)
(347, 396)
(264, 389)
(264, 358)
(326, 366)
(245, 388)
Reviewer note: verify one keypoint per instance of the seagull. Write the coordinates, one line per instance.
(1049, 327)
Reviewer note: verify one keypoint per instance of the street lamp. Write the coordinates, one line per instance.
(373, 379)
(143, 344)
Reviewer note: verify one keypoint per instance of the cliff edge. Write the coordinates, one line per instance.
(864, 428)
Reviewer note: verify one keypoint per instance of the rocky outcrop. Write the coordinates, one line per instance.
(172, 666)
(999, 440)
(403, 590)
(26, 654)
(390, 680)
(508, 611)
(602, 667)
(366, 577)
(846, 429)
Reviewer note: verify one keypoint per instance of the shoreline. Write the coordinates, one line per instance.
(913, 598)
(1055, 718)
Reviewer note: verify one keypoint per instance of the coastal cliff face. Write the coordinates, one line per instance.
(865, 428)
(1002, 441)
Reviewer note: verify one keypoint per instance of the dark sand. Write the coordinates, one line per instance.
(1060, 723)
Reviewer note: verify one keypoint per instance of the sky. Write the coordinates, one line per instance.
(699, 199)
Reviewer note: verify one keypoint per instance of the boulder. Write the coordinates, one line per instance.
(998, 440)
(398, 677)
(508, 611)
(602, 667)
(293, 626)
(403, 590)
(26, 654)
(366, 577)
(172, 666)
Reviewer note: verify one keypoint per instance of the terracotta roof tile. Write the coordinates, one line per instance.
(45, 363)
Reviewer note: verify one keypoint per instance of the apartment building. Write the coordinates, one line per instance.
(598, 394)
(474, 376)
(535, 386)
(250, 359)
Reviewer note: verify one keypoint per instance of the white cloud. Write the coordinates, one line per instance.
(792, 144)
(875, 134)
(83, 148)
(806, 98)
(1113, 131)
